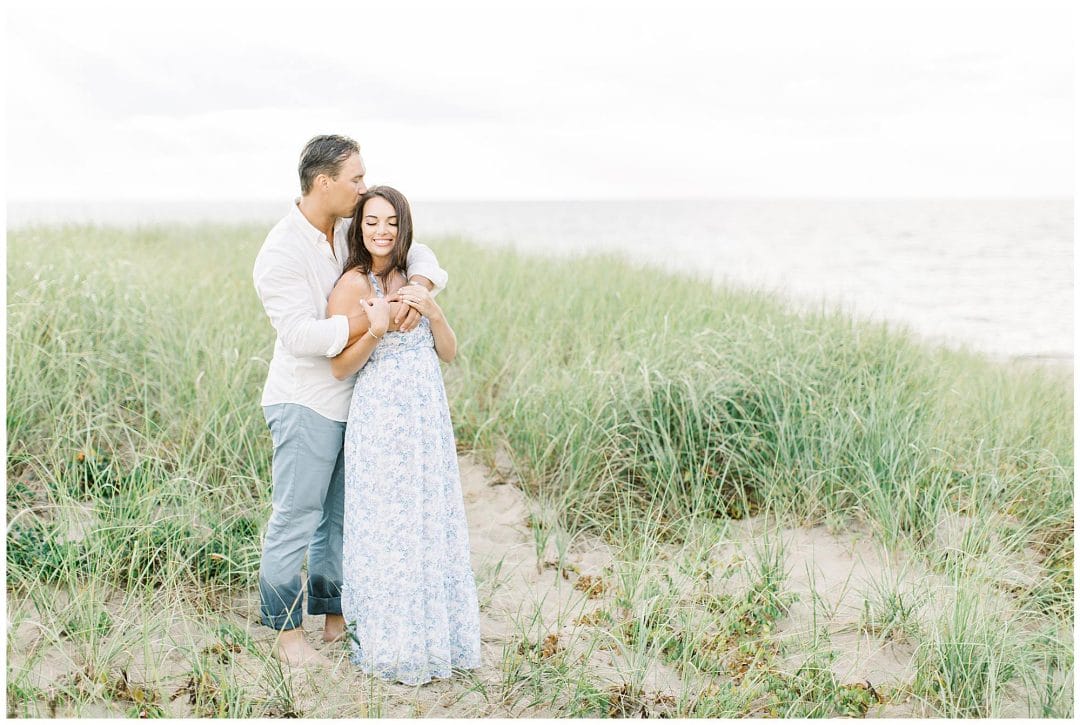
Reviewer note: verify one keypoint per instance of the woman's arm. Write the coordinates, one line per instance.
(445, 340)
(349, 293)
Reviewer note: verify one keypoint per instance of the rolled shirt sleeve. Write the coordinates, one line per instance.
(422, 262)
(287, 298)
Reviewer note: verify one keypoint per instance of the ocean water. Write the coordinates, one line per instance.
(991, 275)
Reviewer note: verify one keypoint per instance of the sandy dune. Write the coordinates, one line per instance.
(529, 608)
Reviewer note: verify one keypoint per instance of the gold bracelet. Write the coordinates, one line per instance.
(373, 334)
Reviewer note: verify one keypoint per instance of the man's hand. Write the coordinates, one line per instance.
(421, 300)
(408, 317)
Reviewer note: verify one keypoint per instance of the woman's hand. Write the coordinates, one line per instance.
(420, 299)
(378, 314)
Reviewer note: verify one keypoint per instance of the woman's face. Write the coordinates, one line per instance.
(379, 227)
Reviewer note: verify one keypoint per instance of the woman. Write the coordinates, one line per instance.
(408, 590)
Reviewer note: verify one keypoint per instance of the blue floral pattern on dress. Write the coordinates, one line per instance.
(408, 592)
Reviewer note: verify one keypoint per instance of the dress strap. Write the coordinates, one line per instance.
(375, 284)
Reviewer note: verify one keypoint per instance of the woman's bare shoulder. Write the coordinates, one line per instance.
(354, 281)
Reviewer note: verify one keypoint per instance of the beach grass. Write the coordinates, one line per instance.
(648, 410)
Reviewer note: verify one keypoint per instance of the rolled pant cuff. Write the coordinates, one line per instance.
(323, 605)
(283, 621)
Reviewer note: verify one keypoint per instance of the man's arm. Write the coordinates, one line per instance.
(423, 265)
(287, 299)
(423, 270)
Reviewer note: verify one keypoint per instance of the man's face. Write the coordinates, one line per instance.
(343, 192)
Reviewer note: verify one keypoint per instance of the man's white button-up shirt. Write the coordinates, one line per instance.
(295, 271)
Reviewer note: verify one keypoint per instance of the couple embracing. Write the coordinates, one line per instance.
(365, 473)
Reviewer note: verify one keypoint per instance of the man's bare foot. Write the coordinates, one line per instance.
(292, 649)
(334, 628)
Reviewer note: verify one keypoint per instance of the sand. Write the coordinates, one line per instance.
(530, 607)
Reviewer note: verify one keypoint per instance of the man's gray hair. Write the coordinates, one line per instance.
(324, 155)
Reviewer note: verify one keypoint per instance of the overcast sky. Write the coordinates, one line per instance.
(543, 100)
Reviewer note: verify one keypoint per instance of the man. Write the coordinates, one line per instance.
(305, 405)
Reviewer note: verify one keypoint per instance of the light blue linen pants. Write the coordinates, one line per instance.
(309, 504)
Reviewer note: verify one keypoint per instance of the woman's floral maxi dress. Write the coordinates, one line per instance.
(408, 594)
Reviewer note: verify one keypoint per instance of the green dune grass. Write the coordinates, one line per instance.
(136, 358)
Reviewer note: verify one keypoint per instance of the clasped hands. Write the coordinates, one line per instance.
(416, 302)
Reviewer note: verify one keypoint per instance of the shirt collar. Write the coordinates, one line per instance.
(307, 229)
